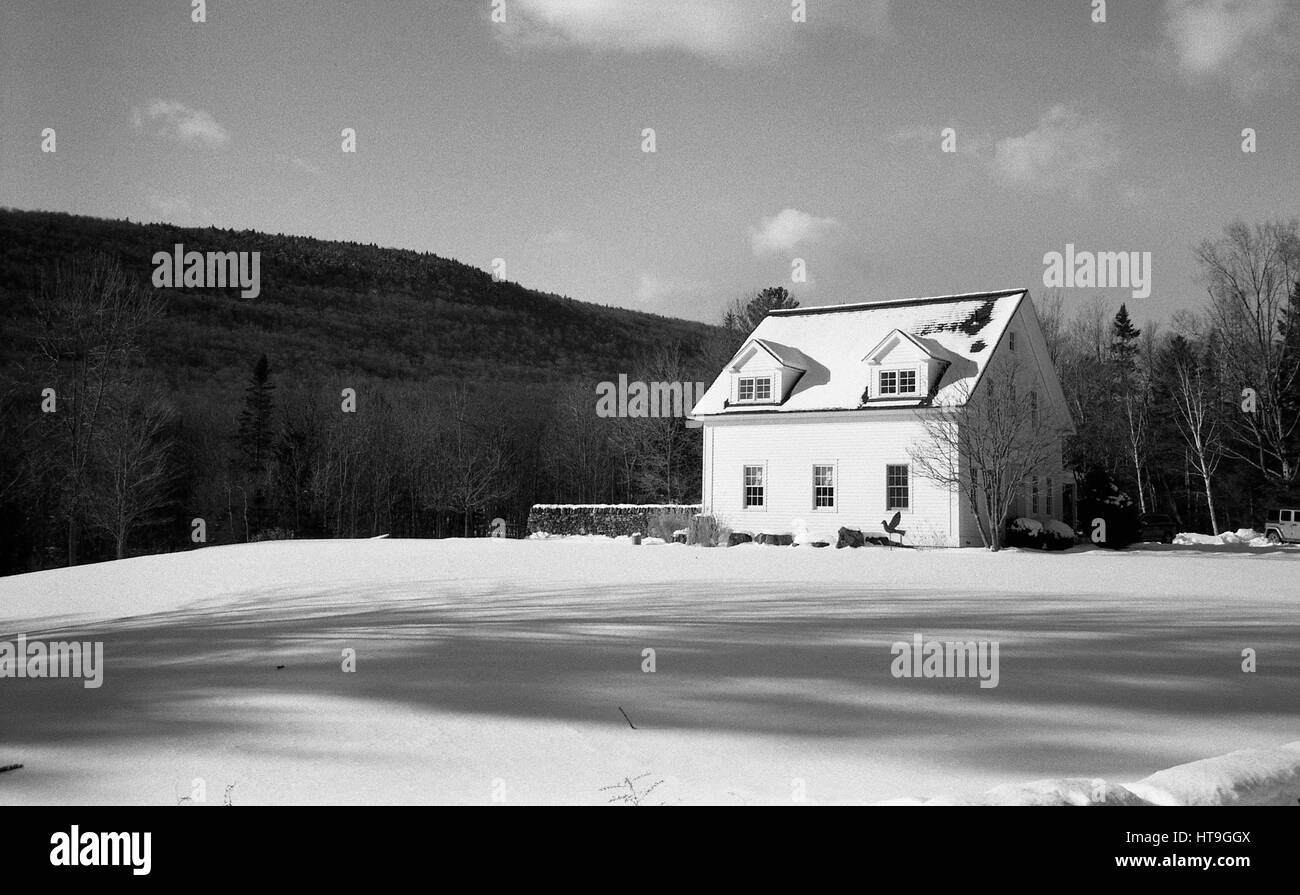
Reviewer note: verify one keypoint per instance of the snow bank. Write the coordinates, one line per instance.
(1247, 536)
(1064, 791)
(1245, 777)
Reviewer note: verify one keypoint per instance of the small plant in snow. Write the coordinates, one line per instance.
(630, 791)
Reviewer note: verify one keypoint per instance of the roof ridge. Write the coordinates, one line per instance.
(896, 302)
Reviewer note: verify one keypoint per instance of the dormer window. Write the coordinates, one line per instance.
(897, 382)
(765, 372)
(754, 388)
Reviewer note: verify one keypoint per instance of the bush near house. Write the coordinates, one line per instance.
(1050, 534)
(704, 531)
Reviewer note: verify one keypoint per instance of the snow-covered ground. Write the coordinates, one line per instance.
(495, 669)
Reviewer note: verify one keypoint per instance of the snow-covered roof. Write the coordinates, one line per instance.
(784, 354)
(832, 343)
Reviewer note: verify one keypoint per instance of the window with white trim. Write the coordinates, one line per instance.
(898, 491)
(823, 486)
(754, 388)
(755, 490)
(1011, 340)
(897, 382)
(1033, 495)
(1047, 498)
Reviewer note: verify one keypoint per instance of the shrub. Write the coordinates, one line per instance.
(703, 531)
(273, 534)
(1036, 535)
(850, 537)
(665, 524)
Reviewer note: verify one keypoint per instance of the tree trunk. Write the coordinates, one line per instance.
(1209, 500)
(1137, 473)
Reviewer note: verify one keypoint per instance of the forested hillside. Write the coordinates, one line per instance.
(337, 307)
(473, 398)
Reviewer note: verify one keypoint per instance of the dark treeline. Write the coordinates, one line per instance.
(167, 406)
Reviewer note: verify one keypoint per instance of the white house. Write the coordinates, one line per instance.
(813, 418)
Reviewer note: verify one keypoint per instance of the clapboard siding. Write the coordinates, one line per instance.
(860, 446)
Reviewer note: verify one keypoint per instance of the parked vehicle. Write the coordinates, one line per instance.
(1157, 527)
(1282, 526)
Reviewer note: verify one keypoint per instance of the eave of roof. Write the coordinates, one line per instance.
(895, 303)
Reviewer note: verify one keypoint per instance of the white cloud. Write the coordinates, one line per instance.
(1066, 150)
(178, 121)
(659, 291)
(731, 31)
(788, 228)
(176, 209)
(1250, 44)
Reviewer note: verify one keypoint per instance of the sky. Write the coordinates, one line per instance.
(515, 130)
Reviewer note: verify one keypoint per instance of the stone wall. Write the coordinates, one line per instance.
(613, 520)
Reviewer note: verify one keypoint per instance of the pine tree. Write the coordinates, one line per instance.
(255, 418)
(1130, 395)
(1124, 343)
(746, 313)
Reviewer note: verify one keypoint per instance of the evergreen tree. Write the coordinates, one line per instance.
(1124, 344)
(255, 419)
(1130, 396)
(746, 313)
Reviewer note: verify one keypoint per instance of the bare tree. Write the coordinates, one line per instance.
(474, 458)
(666, 441)
(573, 443)
(986, 445)
(1249, 273)
(1091, 327)
(1197, 404)
(130, 470)
(91, 315)
(1050, 309)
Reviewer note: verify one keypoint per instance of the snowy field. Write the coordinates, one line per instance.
(503, 670)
